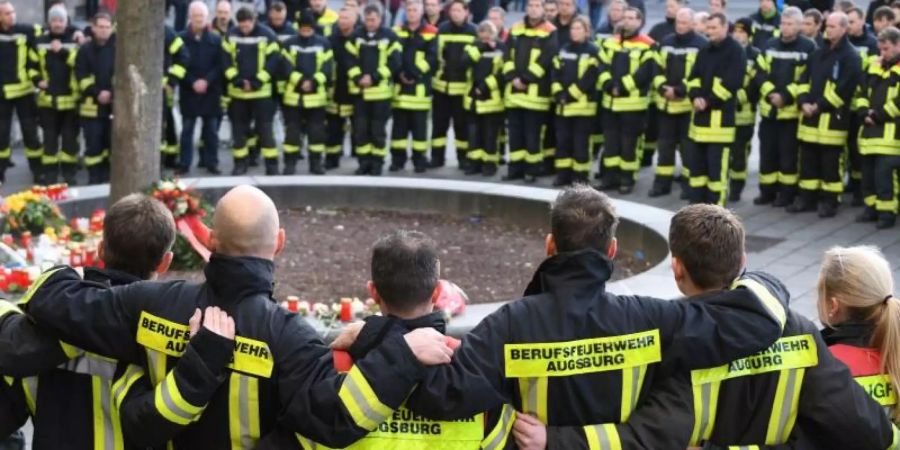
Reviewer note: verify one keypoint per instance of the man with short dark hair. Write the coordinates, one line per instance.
(663, 29)
(340, 105)
(551, 10)
(884, 17)
(812, 26)
(94, 68)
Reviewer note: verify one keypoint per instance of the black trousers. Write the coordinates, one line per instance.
(651, 135)
(672, 138)
(886, 169)
(549, 144)
(484, 137)
(739, 154)
(854, 158)
(170, 133)
(867, 183)
(60, 130)
(778, 157)
(709, 172)
(337, 130)
(448, 108)
(524, 128)
(409, 122)
(260, 112)
(97, 139)
(621, 132)
(299, 121)
(820, 171)
(27, 112)
(573, 142)
(370, 128)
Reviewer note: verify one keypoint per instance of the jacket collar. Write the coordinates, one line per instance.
(232, 279)
(378, 327)
(109, 277)
(567, 273)
(857, 334)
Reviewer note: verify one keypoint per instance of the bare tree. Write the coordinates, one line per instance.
(138, 96)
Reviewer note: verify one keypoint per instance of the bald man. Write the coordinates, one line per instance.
(276, 368)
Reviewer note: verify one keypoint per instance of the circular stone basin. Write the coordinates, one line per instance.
(491, 236)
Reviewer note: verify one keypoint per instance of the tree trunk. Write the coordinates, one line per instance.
(137, 97)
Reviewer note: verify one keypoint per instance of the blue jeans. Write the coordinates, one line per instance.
(209, 154)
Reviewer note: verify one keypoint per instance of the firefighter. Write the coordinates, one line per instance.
(663, 29)
(253, 60)
(58, 99)
(284, 28)
(677, 54)
(826, 91)
(765, 24)
(658, 32)
(745, 113)
(529, 55)
(562, 20)
(412, 91)
(175, 62)
(575, 72)
(339, 111)
(228, 393)
(375, 59)
(866, 45)
(713, 86)
(450, 85)
(325, 17)
(878, 139)
(94, 68)
(627, 66)
(485, 100)
(17, 76)
(812, 26)
(222, 23)
(782, 64)
(306, 94)
(279, 23)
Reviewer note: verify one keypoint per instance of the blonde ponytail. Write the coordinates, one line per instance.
(860, 280)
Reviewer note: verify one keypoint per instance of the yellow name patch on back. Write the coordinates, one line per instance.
(405, 430)
(792, 352)
(880, 388)
(558, 359)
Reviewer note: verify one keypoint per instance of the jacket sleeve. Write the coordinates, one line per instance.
(323, 78)
(13, 406)
(217, 70)
(726, 87)
(180, 60)
(838, 93)
(588, 81)
(693, 85)
(25, 350)
(88, 315)
(153, 415)
(335, 410)
(474, 381)
(509, 63)
(354, 72)
(394, 62)
(231, 66)
(85, 76)
(641, 79)
(269, 72)
(549, 49)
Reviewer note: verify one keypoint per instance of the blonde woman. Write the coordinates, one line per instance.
(862, 319)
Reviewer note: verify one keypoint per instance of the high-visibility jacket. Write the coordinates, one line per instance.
(881, 102)
(850, 342)
(748, 94)
(18, 71)
(341, 100)
(575, 72)
(68, 392)
(764, 29)
(451, 77)
(308, 59)
(716, 77)
(830, 80)
(573, 354)
(529, 56)
(676, 57)
(418, 61)
(486, 77)
(58, 70)
(284, 32)
(867, 47)
(278, 369)
(325, 21)
(176, 58)
(377, 55)
(94, 68)
(254, 58)
(781, 66)
(627, 64)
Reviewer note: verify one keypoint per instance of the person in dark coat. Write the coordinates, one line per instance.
(201, 90)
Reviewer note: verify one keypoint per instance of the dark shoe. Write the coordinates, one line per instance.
(375, 168)
(626, 189)
(516, 171)
(182, 171)
(531, 178)
(315, 164)
(70, 174)
(783, 199)
(395, 168)
(240, 167)
(659, 190)
(867, 215)
(464, 164)
(607, 185)
(363, 168)
(563, 178)
(488, 170)
(474, 168)
(213, 170)
(171, 161)
(272, 166)
(735, 189)
(800, 206)
(885, 221)
(827, 209)
(332, 162)
(765, 199)
(95, 175)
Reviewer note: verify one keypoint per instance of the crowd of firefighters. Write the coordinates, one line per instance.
(545, 97)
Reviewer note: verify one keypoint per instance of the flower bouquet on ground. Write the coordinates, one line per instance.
(192, 217)
(30, 211)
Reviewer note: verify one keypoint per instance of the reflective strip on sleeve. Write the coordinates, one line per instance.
(107, 428)
(769, 301)
(880, 388)
(533, 395)
(121, 386)
(171, 404)
(8, 308)
(30, 389)
(832, 96)
(602, 437)
(784, 411)
(243, 411)
(720, 90)
(361, 401)
(632, 381)
(496, 439)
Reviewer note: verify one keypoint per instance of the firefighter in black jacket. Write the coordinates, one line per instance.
(94, 68)
(284, 28)
(485, 101)
(677, 54)
(340, 105)
(826, 92)
(878, 139)
(58, 99)
(276, 369)
(17, 78)
(412, 95)
(530, 51)
(866, 45)
(325, 17)
(175, 62)
(745, 112)
(571, 353)
(375, 59)
(782, 64)
(575, 72)
(764, 23)
(450, 85)
(627, 64)
(253, 62)
(713, 86)
(310, 59)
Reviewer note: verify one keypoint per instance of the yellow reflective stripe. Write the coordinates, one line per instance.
(632, 381)
(459, 38)
(602, 437)
(172, 405)
(123, 384)
(230, 73)
(361, 401)
(107, 429)
(36, 285)
(895, 443)
(70, 350)
(86, 82)
(243, 411)
(533, 396)
(177, 71)
(768, 178)
(832, 96)
(706, 403)
(791, 352)
(517, 155)
(762, 293)
(628, 83)
(30, 389)
(720, 90)
(880, 388)
(784, 412)
(666, 171)
(8, 308)
(496, 439)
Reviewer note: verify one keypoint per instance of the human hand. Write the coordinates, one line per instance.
(365, 81)
(104, 97)
(246, 86)
(429, 346)
(530, 433)
(519, 85)
(347, 336)
(776, 100)
(55, 45)
(306, 86)
(699, 104)
(218, 321)
(42, 85)
(200, 86)
(669, 92)
(79, 38)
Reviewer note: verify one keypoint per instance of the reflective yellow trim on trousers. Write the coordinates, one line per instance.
(602, 437)
(32, 153)
(563, 163)
(243, 411)
(476, 155)
(534, 158)
(461, 145)
(768, 178)
(889, 206)
(361, 401)
(611, 162)
(291, 149)
(496, 439)
(172, 405)
(439, 142)
(789, 179)
(533, 395)
(517, 155)
(240, 153)
(269, 153)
